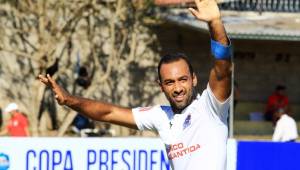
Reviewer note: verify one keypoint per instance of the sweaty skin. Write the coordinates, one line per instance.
(178, 84)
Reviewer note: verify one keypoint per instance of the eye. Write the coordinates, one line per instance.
(183, 79)
(168, 83)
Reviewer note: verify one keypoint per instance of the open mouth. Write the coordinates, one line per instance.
(179, 98)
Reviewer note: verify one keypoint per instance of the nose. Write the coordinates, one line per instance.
(178, 88)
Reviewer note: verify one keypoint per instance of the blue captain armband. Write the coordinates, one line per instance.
(219, 51)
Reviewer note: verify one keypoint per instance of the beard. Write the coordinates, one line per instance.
(177, 107)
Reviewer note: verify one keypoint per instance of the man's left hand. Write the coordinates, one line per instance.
(207, 10)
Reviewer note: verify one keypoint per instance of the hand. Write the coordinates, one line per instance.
(60, 94)
(207, 10)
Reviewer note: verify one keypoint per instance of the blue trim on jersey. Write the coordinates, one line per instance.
(168, 110)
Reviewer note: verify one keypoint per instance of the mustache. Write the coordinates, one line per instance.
(175, 94)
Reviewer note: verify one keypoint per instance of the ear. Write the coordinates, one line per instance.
(195, 80)
(160, 85)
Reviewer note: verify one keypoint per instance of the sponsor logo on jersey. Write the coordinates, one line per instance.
(4, 161)
(179, 150)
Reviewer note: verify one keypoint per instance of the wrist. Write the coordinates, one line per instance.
(214, 22)
(68, 100)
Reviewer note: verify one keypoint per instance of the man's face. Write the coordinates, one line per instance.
(278, 114)
(281, 92)
(177, 83)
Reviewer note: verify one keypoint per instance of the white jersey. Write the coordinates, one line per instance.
(285, 130)
(196, 138)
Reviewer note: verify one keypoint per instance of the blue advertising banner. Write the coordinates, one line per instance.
(268, 156)
(82, 154)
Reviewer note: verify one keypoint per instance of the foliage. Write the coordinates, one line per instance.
(108, 37)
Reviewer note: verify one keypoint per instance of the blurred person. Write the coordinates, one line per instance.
(83, 79)
(81, 124)
(84, 127)
(278, 100)
(48, 103)
(286, 127)
(194, 127)
(48, 106)
(17, 125)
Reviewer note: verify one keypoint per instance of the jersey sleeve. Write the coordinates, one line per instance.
(277, 133)
(217, 107)
(146, 118)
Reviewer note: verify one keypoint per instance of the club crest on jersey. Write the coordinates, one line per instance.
(187, 121)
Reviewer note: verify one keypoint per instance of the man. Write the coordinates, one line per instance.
(286, 127)
(194, 127)
(17, 125)
(276, 101)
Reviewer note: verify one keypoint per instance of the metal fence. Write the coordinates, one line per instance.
(262, 5)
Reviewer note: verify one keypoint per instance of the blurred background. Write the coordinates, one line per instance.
(108, 50)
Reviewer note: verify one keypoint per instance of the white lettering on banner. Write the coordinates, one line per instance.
(132, 159)
(84, 154)
(45, 159)
(98, 159)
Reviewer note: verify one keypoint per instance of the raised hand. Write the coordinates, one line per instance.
(207, 10)
(60, 94)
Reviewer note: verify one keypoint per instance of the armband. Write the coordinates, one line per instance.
(219, 51)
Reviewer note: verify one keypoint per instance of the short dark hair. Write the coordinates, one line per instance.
(169, 58)
(83, 71)
(280, 87)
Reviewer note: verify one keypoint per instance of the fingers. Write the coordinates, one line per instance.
(47, 80)
(43, 79)
(51, 80)
(59, 93)
(198, 4)
(193, 11)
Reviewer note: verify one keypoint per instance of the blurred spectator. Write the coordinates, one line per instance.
(84, 127)
(83, 79)
(17, 124)
(48, 105)
(286, 127)
(278, 100)
(48, 101)
(81, 122)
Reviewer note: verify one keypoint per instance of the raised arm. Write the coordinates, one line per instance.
(93, 109)
(220, 74)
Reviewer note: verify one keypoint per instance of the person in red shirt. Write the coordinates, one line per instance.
(276, 101)
(17, 124)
